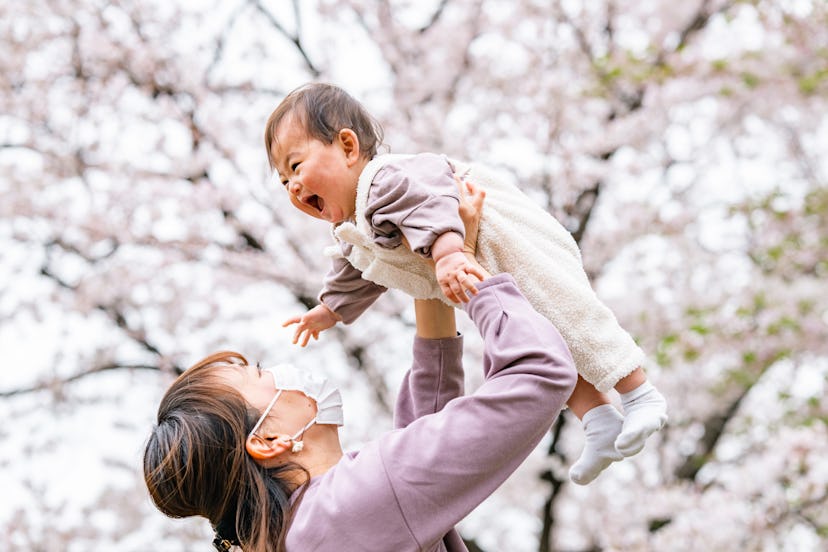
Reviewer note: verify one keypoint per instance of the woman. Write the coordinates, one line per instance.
(258, 453)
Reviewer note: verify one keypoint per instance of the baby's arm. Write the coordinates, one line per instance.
(416, 199)
(344, 297)
(454, 271)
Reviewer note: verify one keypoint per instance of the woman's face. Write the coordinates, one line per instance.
(291, 412)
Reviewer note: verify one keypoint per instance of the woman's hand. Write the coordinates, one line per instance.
(471, 210)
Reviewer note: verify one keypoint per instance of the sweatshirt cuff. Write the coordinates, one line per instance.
(496, 280)
(447, 344)
(484, 295)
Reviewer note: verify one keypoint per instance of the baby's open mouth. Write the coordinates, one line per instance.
(315, 201)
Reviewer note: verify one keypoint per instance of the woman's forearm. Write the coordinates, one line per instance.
(435, 319)
(436, 374)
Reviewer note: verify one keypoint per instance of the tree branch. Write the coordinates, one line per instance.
(56, 383)
(111, 310)
(714, 427)
(219, 51)
(435, 17)
(716, 423)
(377, 382)
(583, 208)
(293, 38)
(556, 485)
(699, 21)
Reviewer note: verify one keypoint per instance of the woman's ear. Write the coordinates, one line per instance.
(350, 145)
(266, 449)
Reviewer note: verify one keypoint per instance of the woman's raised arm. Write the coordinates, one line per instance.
(436, 375)
(442, 465)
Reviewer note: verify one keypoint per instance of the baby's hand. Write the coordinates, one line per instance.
(316, 320)
(457, 275)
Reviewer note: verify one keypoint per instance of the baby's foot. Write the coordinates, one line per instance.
(645, 411)
(602, 425)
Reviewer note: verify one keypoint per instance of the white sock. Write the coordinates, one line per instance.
(602, 425)
(645, 411)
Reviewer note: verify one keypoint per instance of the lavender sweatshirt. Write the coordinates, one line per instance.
(407, 489)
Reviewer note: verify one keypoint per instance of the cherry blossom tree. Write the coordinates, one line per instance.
(679, 143)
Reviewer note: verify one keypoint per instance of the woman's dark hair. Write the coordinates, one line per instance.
(325, 109)
(196, 464)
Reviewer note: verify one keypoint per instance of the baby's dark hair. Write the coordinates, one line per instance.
(326, 109)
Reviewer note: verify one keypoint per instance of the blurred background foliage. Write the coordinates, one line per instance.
(681, 144)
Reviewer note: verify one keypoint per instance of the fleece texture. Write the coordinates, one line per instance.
(518, 237)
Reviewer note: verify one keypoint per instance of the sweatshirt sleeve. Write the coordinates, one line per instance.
(436, 377)
(346, 292)
(442, 465)
(415, 198)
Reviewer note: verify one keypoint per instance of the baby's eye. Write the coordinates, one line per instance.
(293, 167)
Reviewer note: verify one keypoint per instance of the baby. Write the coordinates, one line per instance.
(396, 221)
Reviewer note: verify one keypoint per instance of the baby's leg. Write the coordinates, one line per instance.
(645, 412)
(602, 423)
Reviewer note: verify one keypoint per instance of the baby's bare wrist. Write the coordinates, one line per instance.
(446, 244)
(450, 256)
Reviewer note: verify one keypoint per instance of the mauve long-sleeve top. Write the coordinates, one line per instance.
(416, 199)
(406, 490)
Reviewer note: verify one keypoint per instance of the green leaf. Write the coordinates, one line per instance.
(700, 329)
(750, 80)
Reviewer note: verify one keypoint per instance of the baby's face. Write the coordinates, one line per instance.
(320, 178)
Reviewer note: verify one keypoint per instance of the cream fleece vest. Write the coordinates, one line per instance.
(518, 237)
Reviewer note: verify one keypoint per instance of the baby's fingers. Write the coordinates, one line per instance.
(446, 289)
(289, 321)
(458, 289)
(297, 335)
(475, 271)
(470, 284)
